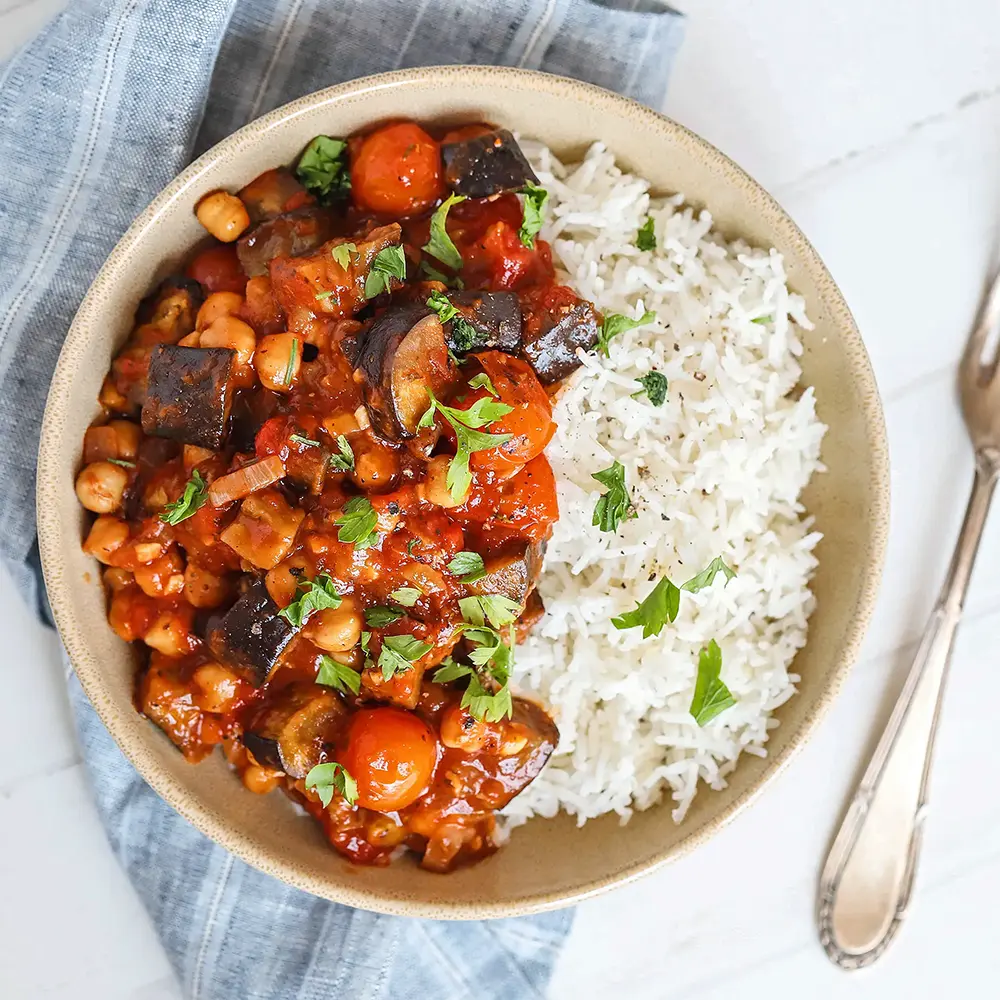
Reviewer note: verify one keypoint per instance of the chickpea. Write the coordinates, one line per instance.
(375, 468)
(116, 579)
(513, 741)
(223, 215)
(218, 687)
(260, 780)
(169, 635)
(336, 629)
(283, 580)
(204, 589)
(460, 730)
(101, 486)
(107, 535)
(277, 360)
(163, 577)
(228, 331)
(384, 831)
(216, 305)
(115, 439)
(434, 489)
(111, 399)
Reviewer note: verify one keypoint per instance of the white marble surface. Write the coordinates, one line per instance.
(877, 124)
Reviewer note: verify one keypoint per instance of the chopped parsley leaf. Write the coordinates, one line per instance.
(357, 522)
(192, 499)
(645, 238)
(661, 605)
(711, 696)
(535, 198)
(388, 263)
(342, 254)
(399, 653)
(323, 168)
(707, 575)
(654, 385)
(344, 461)
(614, 506)
(440, 244)
(615, 324)
(310, 596)
(337, 675)
(325, 779)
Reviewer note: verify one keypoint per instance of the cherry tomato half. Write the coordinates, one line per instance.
(218, 269)
(396, 170)
(391, 754)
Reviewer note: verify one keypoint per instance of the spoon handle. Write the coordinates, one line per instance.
(866, 883)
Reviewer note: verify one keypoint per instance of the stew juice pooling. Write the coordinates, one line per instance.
(321, 491)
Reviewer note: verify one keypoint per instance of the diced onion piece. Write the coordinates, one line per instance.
(245, 481)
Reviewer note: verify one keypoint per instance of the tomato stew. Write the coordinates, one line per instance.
(321, 491)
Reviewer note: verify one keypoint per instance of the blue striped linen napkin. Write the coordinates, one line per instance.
(97, 113)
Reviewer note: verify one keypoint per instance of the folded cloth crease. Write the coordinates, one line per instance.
(97, 113)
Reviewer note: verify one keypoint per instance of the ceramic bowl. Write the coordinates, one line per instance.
(548, 863)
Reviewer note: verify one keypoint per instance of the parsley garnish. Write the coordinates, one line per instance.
(614, 506)
(337, 675)
(325, 779)
(535, 198)
(407, 596)
(310, 596)
(482, 381)
(124, 463)
(380, 615)
(645, 238)
(194, 496)
(399, 653)
(762, 319)
(711, 696)
(323, 169)
(342, 254)
(293, 357)
(440, 244)
(304, 441)
(442, 305)
(344, 462)
(357, 522)
(320, 296)
(468, 437)
(388, 263)
(435, 275)
(663, 603)
(467, 565)
(654, 385)
(614, 324)
(707, 575)
(493, 608)
(411, 545)
(494, 657)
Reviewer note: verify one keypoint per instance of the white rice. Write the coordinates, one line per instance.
(717, 470)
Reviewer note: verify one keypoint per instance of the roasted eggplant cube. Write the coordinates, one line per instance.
(289, 733)
(551, 348)
(486, 321)
(188, 394)
(401, 354)
(289, 235)
(486, 165)
(512, 573)
(250, 636)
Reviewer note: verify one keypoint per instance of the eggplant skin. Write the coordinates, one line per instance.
(288, 235)
(397, 360)
(512, 573)
(250, 636)
(188, 394)
(551, 350)
(492, 321)
(291, 729)
(486, 165)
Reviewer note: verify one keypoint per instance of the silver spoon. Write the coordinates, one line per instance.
(867, 882)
